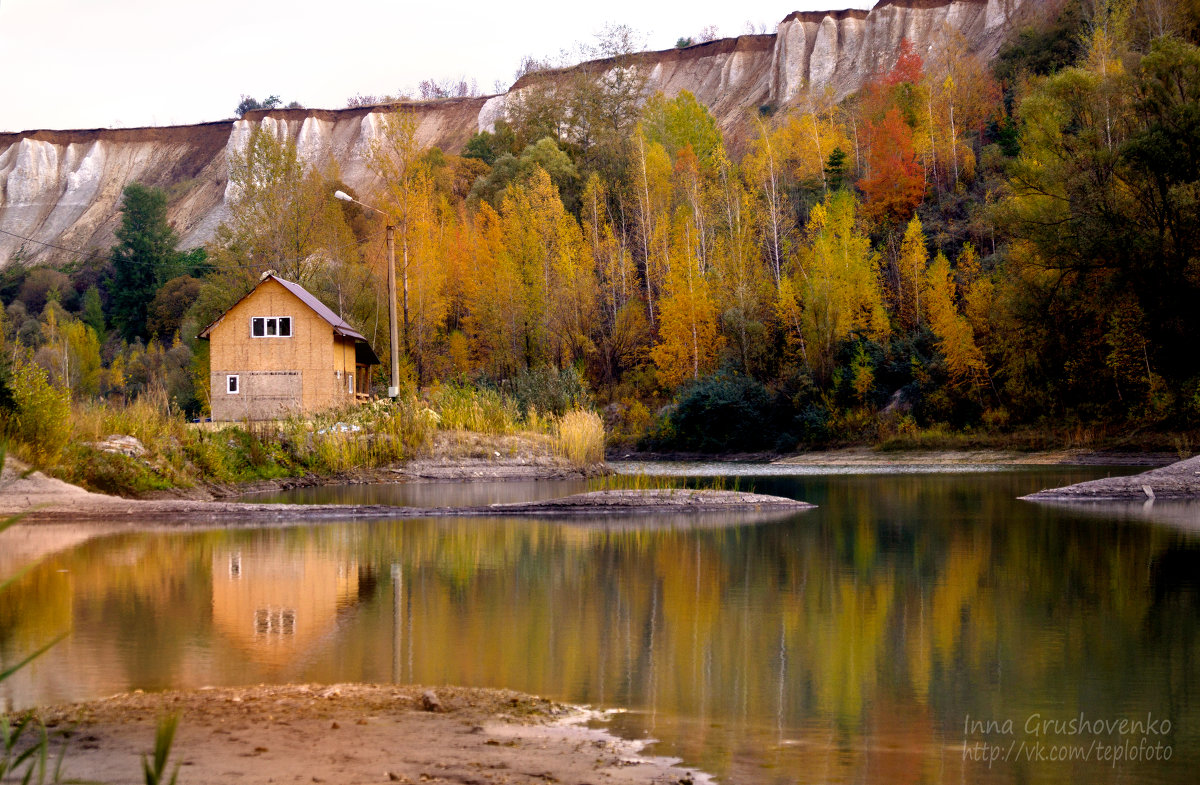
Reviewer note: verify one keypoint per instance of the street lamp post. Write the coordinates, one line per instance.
(393, 329)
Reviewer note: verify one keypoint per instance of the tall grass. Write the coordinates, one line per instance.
(464, 408)
(663, 482)
(580, 438)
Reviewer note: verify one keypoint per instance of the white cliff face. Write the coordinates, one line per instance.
(64, 187)
(493, 110)
(840, 51)
(34, 173)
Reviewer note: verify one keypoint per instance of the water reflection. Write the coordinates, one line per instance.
(846, 644)
(426, 494)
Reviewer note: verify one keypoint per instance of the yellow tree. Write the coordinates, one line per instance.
(281, 212)
(688, 340)
(432, 228)
(573, 294)
(963, 96)
(743, 291)
(955, 338)
(838, 282)
(622, 321)
(530, 216)
(653, 189)
(495, 298)
(764, 167)
(396, 160)
(910, 275)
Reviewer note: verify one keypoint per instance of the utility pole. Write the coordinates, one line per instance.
(393, 332)
(393, 329)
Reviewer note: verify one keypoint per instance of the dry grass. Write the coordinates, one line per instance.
(464, 408)
(580, 438)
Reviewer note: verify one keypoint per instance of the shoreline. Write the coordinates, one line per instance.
(42, 499)
(355, 733)
(1177, 481)
(873, 456)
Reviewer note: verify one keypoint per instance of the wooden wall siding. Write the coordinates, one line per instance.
(278, 376)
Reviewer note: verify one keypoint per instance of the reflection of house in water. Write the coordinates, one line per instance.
(277, 603)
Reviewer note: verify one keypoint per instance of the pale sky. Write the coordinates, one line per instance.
(120, 63)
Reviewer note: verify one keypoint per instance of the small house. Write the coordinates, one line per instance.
(280, 351)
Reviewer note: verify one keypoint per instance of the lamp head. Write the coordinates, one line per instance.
(345, 197)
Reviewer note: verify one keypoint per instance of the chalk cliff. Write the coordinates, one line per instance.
(64, 187)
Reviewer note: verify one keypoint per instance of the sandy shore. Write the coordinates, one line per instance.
(354, 734)
(1180, 480)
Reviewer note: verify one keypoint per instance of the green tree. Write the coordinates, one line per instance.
(171, 302)
(145, 255)
(93, 310)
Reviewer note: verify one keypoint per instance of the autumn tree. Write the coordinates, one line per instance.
(836, 287)
(688, 336)
(895, 184)
(955, 338)
(397, 162)
(910, 275)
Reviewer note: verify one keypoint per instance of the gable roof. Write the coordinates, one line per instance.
(339, 325)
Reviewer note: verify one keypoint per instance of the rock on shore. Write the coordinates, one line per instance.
(1178, 481)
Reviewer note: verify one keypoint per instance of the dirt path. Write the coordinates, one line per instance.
(354, 734)
(1180, 480)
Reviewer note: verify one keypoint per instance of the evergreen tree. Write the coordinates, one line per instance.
(143, 257)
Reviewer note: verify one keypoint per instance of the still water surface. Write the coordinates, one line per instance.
(906, 631)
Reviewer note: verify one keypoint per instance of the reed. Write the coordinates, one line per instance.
(580, 438)
(480, 410)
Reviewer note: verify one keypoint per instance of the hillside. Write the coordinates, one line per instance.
(63, 187)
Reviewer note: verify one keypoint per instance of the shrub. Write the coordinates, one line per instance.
(40, 418)
(547, 389)
(723, 413)
(108, 472)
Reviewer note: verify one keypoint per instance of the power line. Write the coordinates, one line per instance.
(39, 242)
(207, 264)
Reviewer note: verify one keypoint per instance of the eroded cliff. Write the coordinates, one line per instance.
(63, 188)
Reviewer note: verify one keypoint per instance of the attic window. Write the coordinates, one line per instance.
(271, 327)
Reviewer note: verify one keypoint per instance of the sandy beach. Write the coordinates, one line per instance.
(353, 733)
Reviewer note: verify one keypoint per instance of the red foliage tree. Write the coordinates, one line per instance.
(895, 183)
(908, 67)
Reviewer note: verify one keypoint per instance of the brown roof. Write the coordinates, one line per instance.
(339, 325)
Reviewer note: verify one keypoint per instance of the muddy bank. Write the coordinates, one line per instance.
(1180, 480)
(354, 734)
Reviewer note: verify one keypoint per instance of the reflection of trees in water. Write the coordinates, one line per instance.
(900, 606)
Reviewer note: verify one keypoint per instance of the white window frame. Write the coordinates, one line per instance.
(350, 376)
(271, 326)
(233, 381)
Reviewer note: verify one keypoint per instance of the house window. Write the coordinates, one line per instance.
(275, 621)
(351, 385)
(232, 385)
(271, 327)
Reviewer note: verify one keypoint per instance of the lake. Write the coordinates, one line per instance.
(919, 626)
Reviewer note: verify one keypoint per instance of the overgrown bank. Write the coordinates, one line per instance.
(145, 446)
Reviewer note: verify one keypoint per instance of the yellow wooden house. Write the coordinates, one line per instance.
(280, 351)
